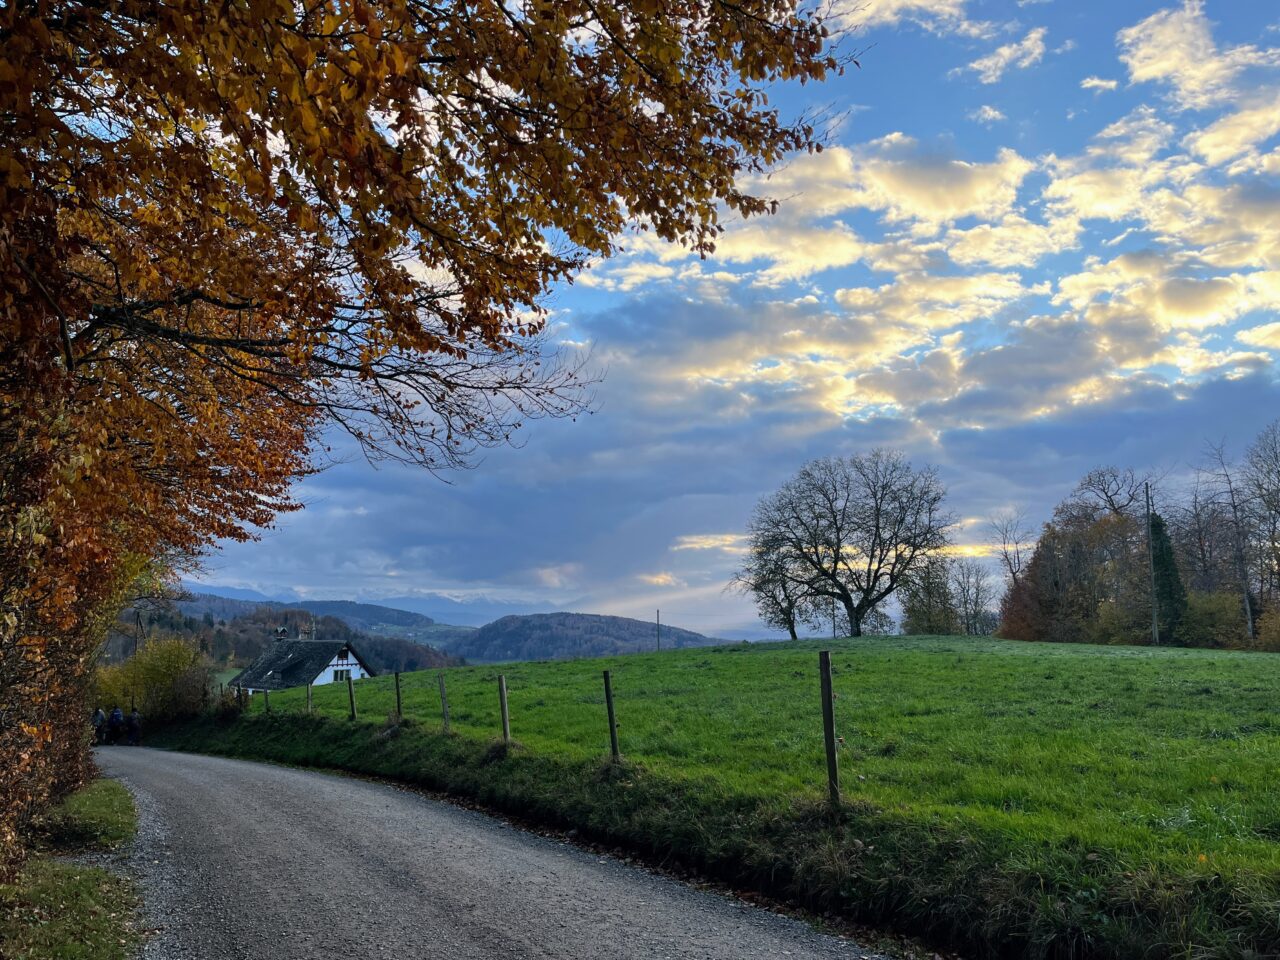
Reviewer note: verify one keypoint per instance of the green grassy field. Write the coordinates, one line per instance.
(1061, 800)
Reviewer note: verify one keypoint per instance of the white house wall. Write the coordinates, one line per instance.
(340, 663)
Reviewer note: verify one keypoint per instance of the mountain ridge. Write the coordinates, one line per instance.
(551, 635)
(565, 636)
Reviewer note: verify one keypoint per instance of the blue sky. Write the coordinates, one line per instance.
(1045, 236)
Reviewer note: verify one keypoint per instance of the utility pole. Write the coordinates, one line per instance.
(138, 636)
(1151, 565)
(657, 622)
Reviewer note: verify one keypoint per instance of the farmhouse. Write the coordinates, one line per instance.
(295, 663)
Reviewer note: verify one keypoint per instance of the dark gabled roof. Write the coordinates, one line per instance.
(292, 663)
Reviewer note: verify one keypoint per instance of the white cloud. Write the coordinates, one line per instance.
(939, 16)
(986, 115)
(1109, 194)
(935, 302)
(792, 250)
(1264, 335)
(626, 276)
(1176, 46)
(1022, 54)
(911, 183)
(1013, 241)
(1112, 178)
(1167, 290)
(1233, 226)
(1238, 132)
(1098, 84)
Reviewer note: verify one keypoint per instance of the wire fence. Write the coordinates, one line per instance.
(429, 703)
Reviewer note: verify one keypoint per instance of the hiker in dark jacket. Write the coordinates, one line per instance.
(99, 726)
(134, 727)
(115, 725)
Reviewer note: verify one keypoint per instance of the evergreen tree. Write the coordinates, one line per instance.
(1171, 596)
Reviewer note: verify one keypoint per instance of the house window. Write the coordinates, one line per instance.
(340, 675)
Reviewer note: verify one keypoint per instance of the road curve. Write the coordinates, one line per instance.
(240, 860)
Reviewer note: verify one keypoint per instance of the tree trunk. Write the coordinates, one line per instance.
(855, 619)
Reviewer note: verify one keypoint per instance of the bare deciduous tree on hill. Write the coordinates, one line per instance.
(1014, 537)
(1262, 485)
(851, 529)
(780, 591)
(1223, 478)
(974, 596)
(1117, 491)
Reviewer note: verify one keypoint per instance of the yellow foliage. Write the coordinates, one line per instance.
(165, 680)
(225, 228)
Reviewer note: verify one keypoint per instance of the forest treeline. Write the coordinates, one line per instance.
(1210, 557)
(236, 641)
(1125, 558)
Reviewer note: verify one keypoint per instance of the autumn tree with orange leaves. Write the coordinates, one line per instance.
(228, 228)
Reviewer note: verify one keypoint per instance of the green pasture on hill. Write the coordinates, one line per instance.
(1174, 752)
(1075, 800)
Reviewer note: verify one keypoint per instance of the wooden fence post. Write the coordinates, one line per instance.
(444, 703)
(240, 695)
(399, 711)
(506, 715)
(308, 699)
(266, 701)
(351, 698)
(613, 723)
(829, 727)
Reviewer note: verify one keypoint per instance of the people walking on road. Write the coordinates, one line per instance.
(99, 726)
(115, 725)
(134, 727)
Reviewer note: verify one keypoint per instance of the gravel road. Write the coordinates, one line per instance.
(240, 860)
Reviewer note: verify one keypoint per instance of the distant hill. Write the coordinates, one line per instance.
(437, 607)
(235, 593)
(472, 612)
(564, 636)
(370, 618)
(523, 636)
(235, 631)
(364, 616)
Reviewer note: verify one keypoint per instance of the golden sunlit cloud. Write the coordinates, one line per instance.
(663, 579)
(979, 551)
(728, 542)
(1177, 47)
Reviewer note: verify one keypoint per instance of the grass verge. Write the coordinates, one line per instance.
(60, 910)
(1031, 799)
(98, 817)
